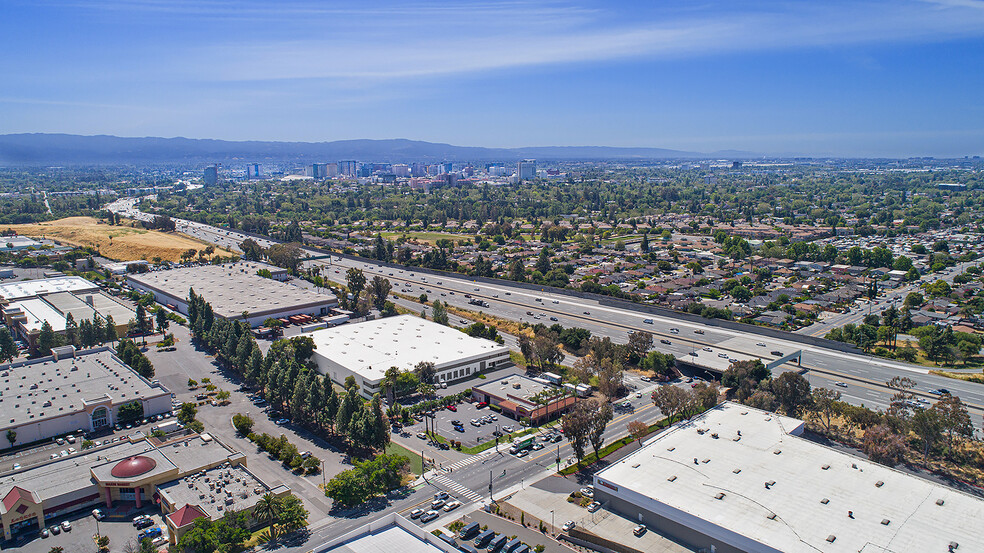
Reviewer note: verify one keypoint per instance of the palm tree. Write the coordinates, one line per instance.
(389, 382)
(268, 509)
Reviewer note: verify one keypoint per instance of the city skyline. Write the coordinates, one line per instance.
(855, 79)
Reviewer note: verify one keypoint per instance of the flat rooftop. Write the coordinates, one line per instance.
(221, 489)
(55, 307)
(232, 289)
(372, 347)
(43, 388)
(387, 534)
(21, 289)
(704, 468)
(515, 385)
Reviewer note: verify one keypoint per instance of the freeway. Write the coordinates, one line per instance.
(865, 376)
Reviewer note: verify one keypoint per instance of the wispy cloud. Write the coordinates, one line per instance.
(474, 38)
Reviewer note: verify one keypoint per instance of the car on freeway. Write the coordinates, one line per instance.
(760, 344)
(553, 318)
(416, 513)
(675, 330)
(648, 321)
(840, 384)
(693, 354)
(429, 516)
(723, 355)
(645, 379)
(777, 352)
(568, 526)
(698, 331)
(707, 349)
(664, 341)
(594, 506)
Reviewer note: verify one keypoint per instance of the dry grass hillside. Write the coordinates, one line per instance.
(117, 242)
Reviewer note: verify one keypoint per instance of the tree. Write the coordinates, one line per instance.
(252, 251)
(601, 415)
(825, 404)
(130, 411)
(187, 413)
(670, 400)
(425, 371)
(883, 445)
(640, 342)
(380, 288)
(162, 322)
(47, 339)
(927, 425)
(576, 425)
(267, 509)
(11, 437)
(954, 419)
(71, 330)
(610, 378)
(517, 271)
(638, 430)
(110, 333)
(792, 391)
(8, 349)
(440, 313)
(293, 515)
(243, 423)
(287, 256)
(355, 281)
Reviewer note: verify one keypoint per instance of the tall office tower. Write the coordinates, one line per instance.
(445, 167)
(418, 170)
(401, 169)
(211, 176)
(331, 170)
(526, 169)
(347, 168)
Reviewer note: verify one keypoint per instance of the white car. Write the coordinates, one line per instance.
(594, 506)
(452, 506)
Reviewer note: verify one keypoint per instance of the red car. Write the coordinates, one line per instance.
(482, 405)
(452, 408)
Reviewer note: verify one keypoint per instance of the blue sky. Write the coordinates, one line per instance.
(852, 78)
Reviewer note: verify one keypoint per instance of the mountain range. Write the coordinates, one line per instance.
(71, 149)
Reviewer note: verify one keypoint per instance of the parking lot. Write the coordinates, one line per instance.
(80, 538)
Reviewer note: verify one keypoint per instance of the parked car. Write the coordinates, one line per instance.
(98, 514)
(452, 408)
(66, 526)
(587, 492)
(44, 533)
(568, 526)
(639, 530)
(55, 530)
(144, 523)
(594, 506)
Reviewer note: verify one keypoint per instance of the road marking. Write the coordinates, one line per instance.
(456, 487)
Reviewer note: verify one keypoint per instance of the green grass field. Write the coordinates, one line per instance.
(397, 449)
(429, 237)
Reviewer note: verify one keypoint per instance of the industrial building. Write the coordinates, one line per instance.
(72, 390)
(519, 396)
(24, 289)
(737, 479)
(234, 290)
(186, 475)
(366, 350)
(26, 316)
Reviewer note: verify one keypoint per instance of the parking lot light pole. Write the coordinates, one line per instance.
(553, 525)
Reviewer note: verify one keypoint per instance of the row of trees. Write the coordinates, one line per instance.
(131, 355)
(289, 380)
(87, 334)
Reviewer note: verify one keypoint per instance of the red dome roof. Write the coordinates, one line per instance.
(134, 466)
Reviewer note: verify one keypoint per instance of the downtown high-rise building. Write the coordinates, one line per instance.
(526, 169)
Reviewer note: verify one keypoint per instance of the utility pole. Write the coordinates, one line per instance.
(558, 456)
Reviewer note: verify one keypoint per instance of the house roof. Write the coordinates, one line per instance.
(186, 515)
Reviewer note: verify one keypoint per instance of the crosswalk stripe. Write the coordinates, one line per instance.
(456, 487)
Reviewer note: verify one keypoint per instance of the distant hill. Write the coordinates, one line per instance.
(57, 149)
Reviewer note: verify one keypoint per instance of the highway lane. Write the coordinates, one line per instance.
(515, 303)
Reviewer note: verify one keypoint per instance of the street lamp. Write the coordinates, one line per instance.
(553, 526)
